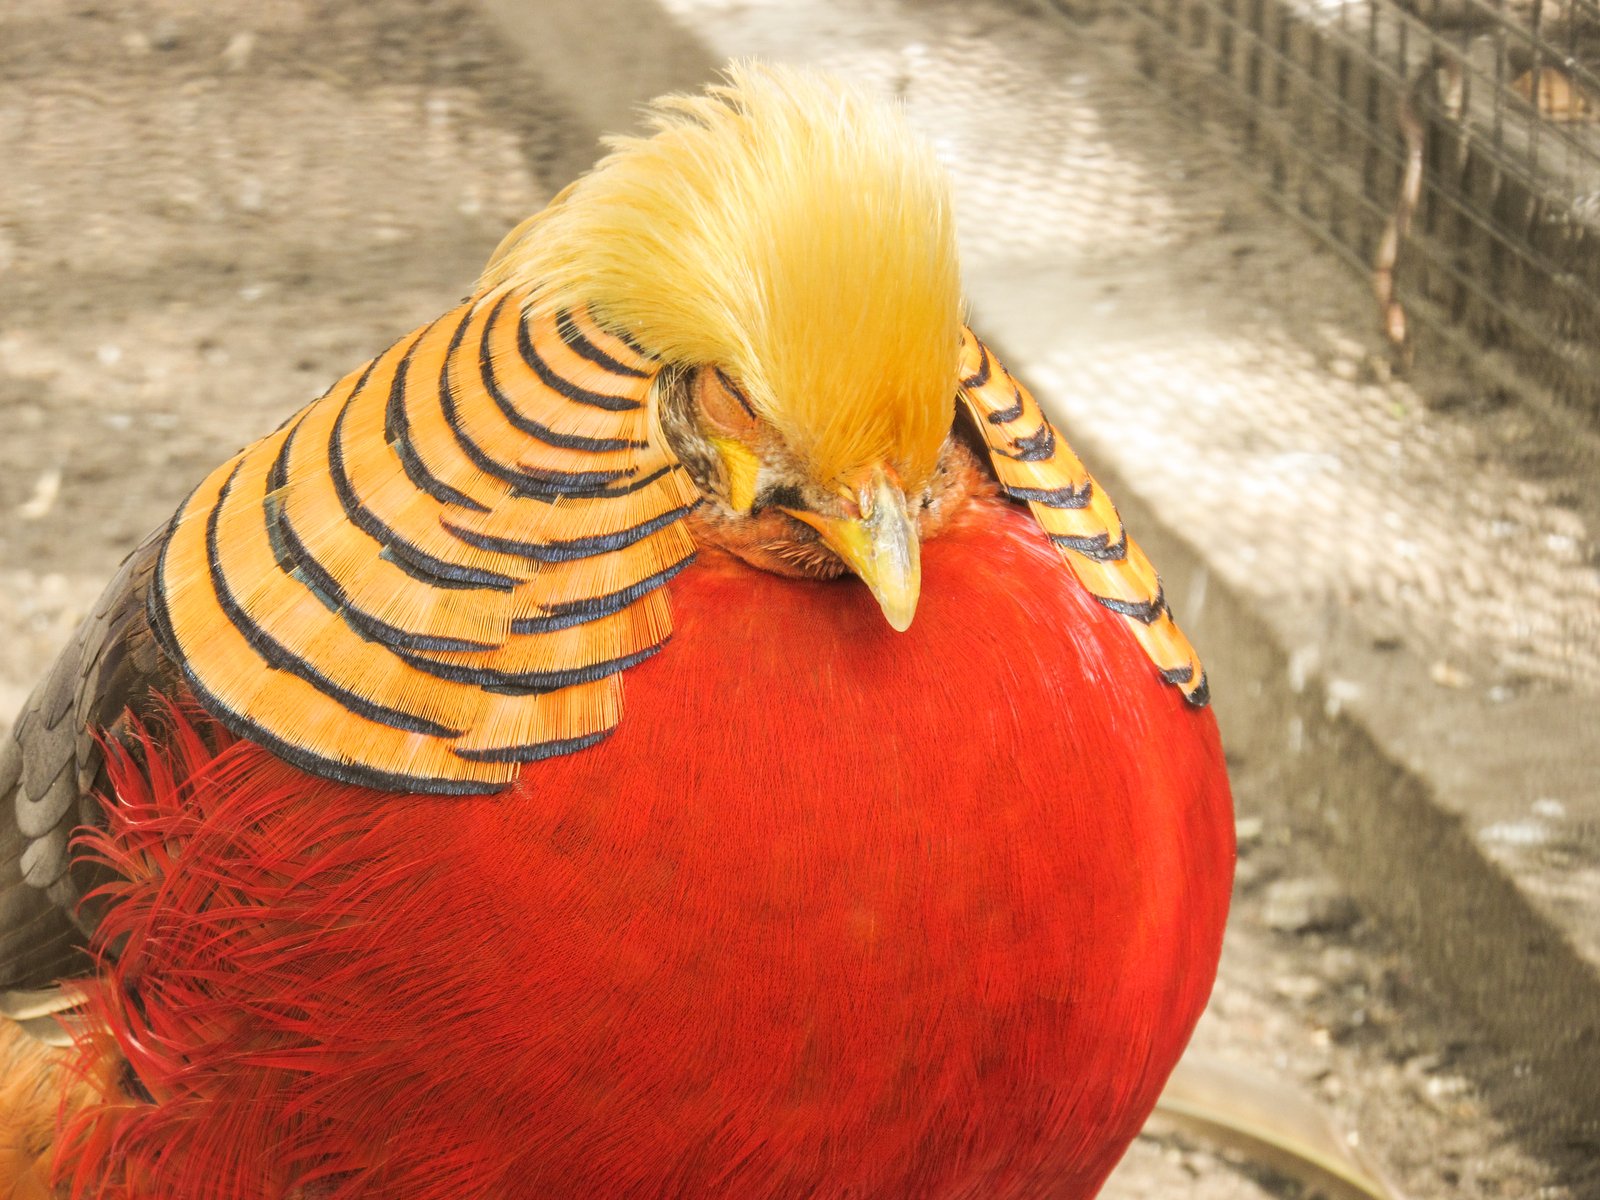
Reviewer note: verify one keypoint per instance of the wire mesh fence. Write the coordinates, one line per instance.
(1450, 149)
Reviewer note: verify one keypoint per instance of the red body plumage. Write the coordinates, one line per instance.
(836, 912)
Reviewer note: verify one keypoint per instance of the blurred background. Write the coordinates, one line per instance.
(1312, 285)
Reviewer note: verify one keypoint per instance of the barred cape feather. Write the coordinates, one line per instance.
(438, 572)
(1036, 467)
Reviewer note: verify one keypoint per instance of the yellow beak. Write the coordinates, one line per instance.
(881, 545)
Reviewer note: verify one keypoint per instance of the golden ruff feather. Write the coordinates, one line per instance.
(438, 571)
(792, 230)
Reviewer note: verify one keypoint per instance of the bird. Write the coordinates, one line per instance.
(684, 723)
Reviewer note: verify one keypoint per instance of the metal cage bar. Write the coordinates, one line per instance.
(1449, 147)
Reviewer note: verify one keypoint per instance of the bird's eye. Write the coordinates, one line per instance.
(723, 404)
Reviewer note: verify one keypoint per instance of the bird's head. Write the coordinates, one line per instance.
(785, 245)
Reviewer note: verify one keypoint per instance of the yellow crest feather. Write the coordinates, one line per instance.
(793, 231)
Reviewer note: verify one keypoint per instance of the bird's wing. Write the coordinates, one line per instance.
(437, 571)
(49, 768)
(1036, 466)
(425, 578)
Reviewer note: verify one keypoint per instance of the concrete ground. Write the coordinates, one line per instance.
(209, 210)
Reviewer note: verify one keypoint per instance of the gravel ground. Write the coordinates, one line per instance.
(212, 210)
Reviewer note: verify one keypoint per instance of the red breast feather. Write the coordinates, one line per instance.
(836, 912)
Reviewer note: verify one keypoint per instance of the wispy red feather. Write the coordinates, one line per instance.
(241, 883)
(835, 913)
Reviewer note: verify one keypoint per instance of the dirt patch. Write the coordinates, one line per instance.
(211, 212)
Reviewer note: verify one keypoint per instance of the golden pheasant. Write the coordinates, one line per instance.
(910, 889)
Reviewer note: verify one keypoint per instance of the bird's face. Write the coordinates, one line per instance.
(764, 501)
(785, 247)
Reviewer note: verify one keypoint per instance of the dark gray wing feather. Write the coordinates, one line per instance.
(50, 769)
